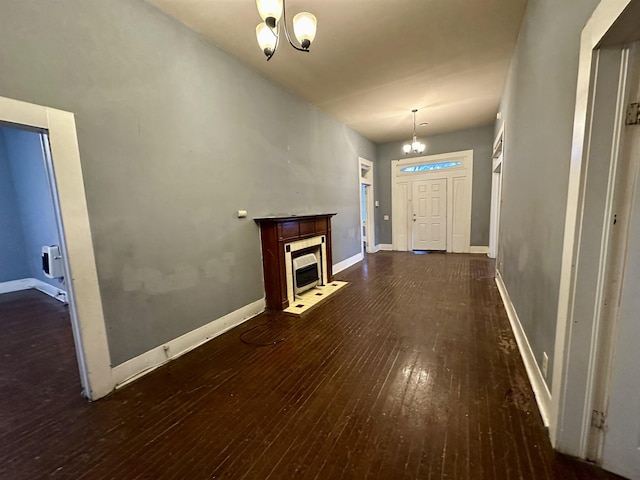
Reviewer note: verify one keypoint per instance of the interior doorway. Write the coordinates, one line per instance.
(367, 217)
(431, 202)
(596, 389)
(496, 193)
(64, 172)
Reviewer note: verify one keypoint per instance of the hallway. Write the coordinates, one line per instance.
(411, 371)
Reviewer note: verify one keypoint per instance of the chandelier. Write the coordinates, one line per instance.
(268, 32)
(415, 146)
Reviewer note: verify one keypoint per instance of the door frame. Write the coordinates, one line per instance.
(594, 155)
(64, 171)
(496, 192)
(463, 173)
(366, 177)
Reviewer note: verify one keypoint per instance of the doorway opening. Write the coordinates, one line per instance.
(596, 390)
(367, 217)
(496, 193)
(64, 176)
(35, 322)
(431, 202)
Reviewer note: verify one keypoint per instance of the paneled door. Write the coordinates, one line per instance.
(429, 214)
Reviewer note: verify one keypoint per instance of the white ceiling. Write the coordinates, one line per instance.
(374, 60)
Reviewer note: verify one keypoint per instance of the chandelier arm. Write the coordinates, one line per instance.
(275, 48)
(286, 30)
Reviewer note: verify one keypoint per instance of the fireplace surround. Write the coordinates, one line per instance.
(284, 238)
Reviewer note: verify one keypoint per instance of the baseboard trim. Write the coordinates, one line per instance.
(484, 250)
(343, 265)
(16, 285)
(376, 249)
(27, 283)
(158, 356)
(540, 389)
(386, 247)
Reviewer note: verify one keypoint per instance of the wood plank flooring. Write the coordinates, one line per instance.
(409, 372)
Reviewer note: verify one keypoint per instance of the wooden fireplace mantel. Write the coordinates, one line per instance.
(275, 233)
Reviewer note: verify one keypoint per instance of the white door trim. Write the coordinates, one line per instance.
(367, 179)
(85, 304)
(577, 332)
(496, 192)
(458, 241)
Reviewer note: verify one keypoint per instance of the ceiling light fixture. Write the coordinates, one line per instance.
(268, 32)
(415, 146)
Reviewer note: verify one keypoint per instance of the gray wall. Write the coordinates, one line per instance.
(538, 107)
(480, 140)
(33, 197)
(175, 136)
(13, 260)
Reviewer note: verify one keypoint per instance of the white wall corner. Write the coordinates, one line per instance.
(152, 359)
(484, 250)
(540, 388)
(50, 290)
(385, 247)
(343, 265)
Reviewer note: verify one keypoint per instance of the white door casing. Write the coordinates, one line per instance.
(429, 214)
(580, 331)
(496, 193)
(65, 175)
(457, 169)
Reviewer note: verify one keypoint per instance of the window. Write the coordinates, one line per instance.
(430, 166)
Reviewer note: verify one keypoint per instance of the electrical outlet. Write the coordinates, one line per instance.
(545, 364)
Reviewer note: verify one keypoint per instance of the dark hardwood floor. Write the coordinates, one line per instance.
(409, 372)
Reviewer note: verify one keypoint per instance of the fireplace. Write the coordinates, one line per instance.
(291, 245)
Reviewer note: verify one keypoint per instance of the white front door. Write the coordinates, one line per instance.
(621, 452)
(429, 214)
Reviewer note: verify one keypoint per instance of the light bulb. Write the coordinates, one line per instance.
(266, 39)
(406, 148)
(270, 11)
(304, 28)
(421, 147)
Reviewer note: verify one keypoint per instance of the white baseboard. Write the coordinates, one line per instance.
(149, 361)
(386, 247)
(343, 265)
(484, 250)
(540, 389)
(376, 249)
(27, 283)
(16, 285)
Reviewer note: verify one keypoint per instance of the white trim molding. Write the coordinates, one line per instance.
(344, 264)
(578, 324)
(147, 362)
(479, 249)
(540, 389)
(27, 283)
(385, 247)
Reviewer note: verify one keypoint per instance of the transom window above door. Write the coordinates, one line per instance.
(427, 167)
